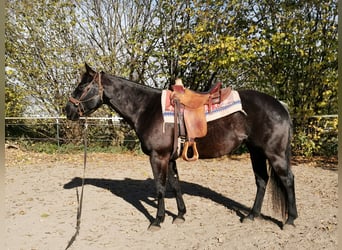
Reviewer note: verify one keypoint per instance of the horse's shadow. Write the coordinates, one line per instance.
(136, 192)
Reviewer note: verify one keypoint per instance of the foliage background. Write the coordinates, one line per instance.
(287, 49)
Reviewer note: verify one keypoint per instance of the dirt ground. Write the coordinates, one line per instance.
(41, 204)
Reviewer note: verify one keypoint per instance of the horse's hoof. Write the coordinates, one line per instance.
(154, 228)
(247, 219)
(178, 220)
(288, 226)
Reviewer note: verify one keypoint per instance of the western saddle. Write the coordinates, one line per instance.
(189, 108)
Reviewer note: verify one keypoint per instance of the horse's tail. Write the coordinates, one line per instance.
(279, 193)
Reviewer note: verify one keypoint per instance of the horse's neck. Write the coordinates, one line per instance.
(129, 99)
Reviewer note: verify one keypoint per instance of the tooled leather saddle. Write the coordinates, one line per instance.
(190, 111)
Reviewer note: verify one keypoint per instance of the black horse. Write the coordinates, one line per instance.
(266, 130)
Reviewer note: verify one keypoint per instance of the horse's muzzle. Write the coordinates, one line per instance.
(72, 112)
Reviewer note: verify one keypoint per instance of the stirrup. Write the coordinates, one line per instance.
(188, 144)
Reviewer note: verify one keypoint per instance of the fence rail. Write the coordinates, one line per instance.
(112, 131)
(52, 124)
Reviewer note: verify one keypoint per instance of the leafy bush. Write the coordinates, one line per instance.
(319, 138)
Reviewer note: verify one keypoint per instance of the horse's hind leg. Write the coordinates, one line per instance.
(283, 179)
(174, 183)
(261, 178)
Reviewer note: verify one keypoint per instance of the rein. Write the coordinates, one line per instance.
(79, 102)
(80, 198)
(176, 147)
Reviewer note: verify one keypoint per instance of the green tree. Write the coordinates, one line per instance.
(116, 35)
(42, 51)
(299, 65)
(285, 48)
(203, 41)
(15, 96)
(42, 59)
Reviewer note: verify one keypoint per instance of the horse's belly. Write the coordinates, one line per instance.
(216, 148)
(224, 135)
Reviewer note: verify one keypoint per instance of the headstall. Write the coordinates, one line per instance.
(79, 102)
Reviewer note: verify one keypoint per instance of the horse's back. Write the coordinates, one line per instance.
(256, 103)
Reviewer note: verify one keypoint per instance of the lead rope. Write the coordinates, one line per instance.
(80, 199)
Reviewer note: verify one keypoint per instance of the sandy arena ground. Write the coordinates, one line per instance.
(119, 203)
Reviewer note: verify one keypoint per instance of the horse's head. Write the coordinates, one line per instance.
(87, 96)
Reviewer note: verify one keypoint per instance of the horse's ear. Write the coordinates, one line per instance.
(89, 70)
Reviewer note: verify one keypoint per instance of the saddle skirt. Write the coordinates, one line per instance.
(229, 105)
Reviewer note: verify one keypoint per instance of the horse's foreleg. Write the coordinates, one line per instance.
(261, 178)
(159, 167)
(174, 182)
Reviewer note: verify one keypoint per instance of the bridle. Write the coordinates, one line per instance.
(79, 102)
